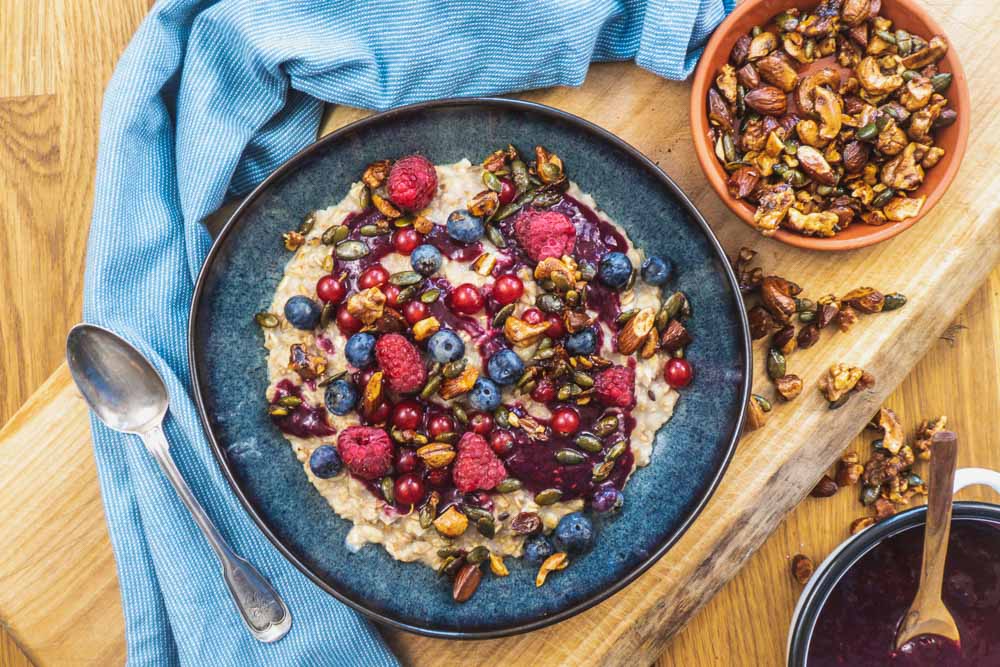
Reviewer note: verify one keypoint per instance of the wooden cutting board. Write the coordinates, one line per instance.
(57, 584)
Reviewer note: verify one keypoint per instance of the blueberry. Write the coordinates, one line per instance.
(341, 397)
(615, 270)
(425, 259)
(485, 395)
(656, 270)
(582, 342)
(574, 534)
(505, 367)
(360, 350)
(607, 499)
(537, 548)
(325, 462)
(302, 312)
(445, 346)
(464, 227)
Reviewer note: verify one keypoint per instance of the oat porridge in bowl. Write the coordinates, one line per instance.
(471, 359)
(424, 402)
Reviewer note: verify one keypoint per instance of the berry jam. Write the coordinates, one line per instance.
(303, 421)
(857, 625)
(530, 461)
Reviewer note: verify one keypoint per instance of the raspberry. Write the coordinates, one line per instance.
(401, 363)
(544, 234)
(412, 183)
(367, 451)
(616, 386)
(476, 466)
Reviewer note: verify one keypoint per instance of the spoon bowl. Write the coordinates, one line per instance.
(118, 383)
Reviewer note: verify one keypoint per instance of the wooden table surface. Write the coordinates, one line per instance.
(59, 57)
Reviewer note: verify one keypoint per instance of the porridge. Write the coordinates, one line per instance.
(466, 373)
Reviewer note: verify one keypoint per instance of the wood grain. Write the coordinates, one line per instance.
(55, 559)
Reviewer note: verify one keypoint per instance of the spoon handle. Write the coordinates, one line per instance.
(941, 483)
(262, 609)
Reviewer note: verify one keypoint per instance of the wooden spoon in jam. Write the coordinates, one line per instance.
(928, 615)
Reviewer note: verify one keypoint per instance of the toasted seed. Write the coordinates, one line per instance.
(764, 404)
(910, 74)
(501, 417)
(266, 320)
(617, 450)
(807, 316)
(447, 552)
(893, 301)
(867, 133)
(941, 81)
(492, 182)
(495, 237)
(546, 198)
(329, 236)
(368, 230)
(583, 380)
(400, 223)
(426, 516)
(405, 278)
(448, 436)
(406, 294)
(365, 197)
(625, 316)
(433, 384)
(607, 425)
(466, 582)
(508, 485)
(589, 442)
(351, 250)
(602, 470)
(486, 526)
(477, 555)
(430, 296)
(290, 401)
(672, 306)
(869, 494)
(277, 411)
(502, 315)
(548, 496)
(570, 457)
(453, 369)
(550, 303)
(388, 490)
(326, 315)
(775, 364)
(448, 563)
(883, 198)
(460, 414)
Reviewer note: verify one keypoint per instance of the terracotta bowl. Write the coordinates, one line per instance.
(905, 14)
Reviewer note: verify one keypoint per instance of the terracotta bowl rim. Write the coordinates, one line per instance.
(723, 37)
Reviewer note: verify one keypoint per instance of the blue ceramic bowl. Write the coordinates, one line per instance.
(229, 375)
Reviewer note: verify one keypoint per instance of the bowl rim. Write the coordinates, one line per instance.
(829, 573)
(713, 170)
(583, 125)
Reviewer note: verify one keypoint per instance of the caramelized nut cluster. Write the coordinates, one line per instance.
(848, 142)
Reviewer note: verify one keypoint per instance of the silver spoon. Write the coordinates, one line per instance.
(126, 393)
(928, 614)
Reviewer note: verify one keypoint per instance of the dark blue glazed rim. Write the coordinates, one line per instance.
(228, 372)
(853, 549)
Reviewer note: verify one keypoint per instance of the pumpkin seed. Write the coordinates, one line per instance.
(448, 564)
(502, 417)
(502, 315)
(266, 320)
(913, 479)
(630, 283)
(893, 301)
(492, 182)
(277, 411)
(430, 296)
(486, 527)
(728, 147)
(368, 230)
(426, 516)
(886, 36)
(290, 401)
(495, 237)
(910, 75)
(550, 303)
(460, 414)
(400, 223)
(869, 494)
(335, 234)
(941, 81)
(588, 270)
(307, 224)
(548, 496)
(433, 384)
(519, 172)
(365, 197)
(775, 364)
(508, 485)
(331, 379)
(602, 470)
(583, 380)
(589, 442)
(546, 198)
(625, 316)
(406, 294)
(570, 457)
(883, 198)
(351, 250)
(764, 404)
(616, 450)
(475, 513)
(405, 278)
(567, 391)
(673, 304)
(453, 369)
(607, 425)
(867, 133)
(807, 316)
(447, 552)
(547, 284)
(388, 491)
(448, 436)
(326, 315)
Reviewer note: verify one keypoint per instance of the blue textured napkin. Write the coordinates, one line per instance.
(207, 100)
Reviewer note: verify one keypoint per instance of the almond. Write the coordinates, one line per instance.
(766, 100)
(634, 333)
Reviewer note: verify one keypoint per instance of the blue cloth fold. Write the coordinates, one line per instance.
(207, 100)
